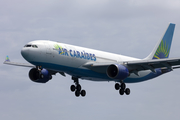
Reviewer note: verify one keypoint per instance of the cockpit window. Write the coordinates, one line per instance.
(34, 46)
(27, 46)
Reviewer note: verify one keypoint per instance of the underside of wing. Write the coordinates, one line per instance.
(152, 64)
(138, 65)
(19, 64)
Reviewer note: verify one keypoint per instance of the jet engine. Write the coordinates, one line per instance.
(39, 76)
(116, 71)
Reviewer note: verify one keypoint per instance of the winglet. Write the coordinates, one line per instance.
(7, 59)
(162, 48)
(8, 62)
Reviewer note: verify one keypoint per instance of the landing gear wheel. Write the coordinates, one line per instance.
(123, 86)
(117, 86)
(73, 88)
(77, 93)
(78, 87)
(83, 93)
(127, 91)
(121, 91)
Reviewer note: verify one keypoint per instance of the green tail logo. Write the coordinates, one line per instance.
(162, 51)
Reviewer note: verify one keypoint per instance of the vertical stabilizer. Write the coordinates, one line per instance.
(162, 48)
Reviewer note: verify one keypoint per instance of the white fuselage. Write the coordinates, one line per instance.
(70, 59)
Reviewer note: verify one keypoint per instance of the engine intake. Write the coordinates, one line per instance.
(116, 71)
(42, 76)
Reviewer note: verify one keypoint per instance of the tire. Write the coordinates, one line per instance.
(73, 88)
(123, 86)
(83, 93)
(121, 91)
(117, 86)
(127, 91)
(78, 87)
(77, 93)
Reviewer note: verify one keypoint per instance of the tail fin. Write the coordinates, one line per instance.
(162, 48)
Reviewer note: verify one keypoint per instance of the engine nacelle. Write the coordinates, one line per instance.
(116, 71)
(42, 76)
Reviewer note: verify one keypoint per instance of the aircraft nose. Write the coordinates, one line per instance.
(24, 53)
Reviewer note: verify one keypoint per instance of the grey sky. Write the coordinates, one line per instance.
(128, 27)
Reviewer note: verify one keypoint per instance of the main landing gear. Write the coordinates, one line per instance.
(122, 88)
(77, 88)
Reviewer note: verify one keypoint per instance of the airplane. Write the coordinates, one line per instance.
(46, 58)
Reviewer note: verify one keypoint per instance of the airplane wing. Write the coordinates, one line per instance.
(138, 65)
(19, 64)
(153, 64)
(8, 62)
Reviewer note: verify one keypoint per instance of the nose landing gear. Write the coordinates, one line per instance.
(122, 88)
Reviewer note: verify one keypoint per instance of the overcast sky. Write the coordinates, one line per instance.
(128, 27)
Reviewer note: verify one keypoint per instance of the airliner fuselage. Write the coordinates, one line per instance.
(72, 59)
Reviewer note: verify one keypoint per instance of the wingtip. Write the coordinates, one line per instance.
(7, 59)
